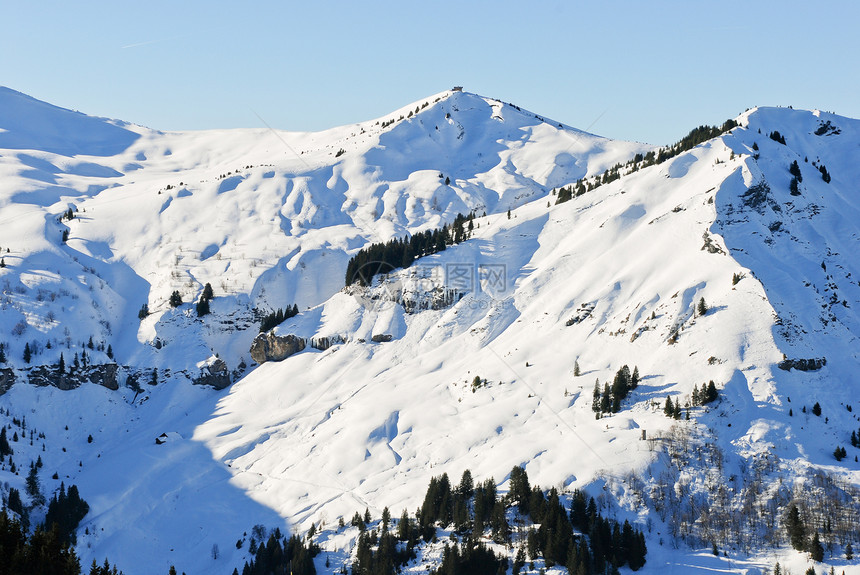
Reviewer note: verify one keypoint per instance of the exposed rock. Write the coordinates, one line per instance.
(7, 379)
(811, 364)
(214, 373)
(381, 338)
(102, 374)
(323, 343)
(271, 347)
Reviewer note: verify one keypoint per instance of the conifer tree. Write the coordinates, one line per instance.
(816, 550)
(794, 527)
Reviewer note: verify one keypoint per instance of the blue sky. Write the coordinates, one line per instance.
(646, 71)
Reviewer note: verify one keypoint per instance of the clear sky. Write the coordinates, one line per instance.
(646, 71)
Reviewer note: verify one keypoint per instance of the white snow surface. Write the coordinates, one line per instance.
(271, 218)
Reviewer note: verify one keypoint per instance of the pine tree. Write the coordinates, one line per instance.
(175, 299)
(27, 353)
(34, 489)
(794, 170)
(207, 292)
(849, 551)
(669, 407)
(202, 307)
(816, 549)
(109, 351)
(576, 371)
(703, 307)
(816, 409)
(796, 531)
(793, 188)
(61, 366)
(5, 448)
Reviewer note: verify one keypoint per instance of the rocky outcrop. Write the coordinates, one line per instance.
(812, 364)
(381, 338)
(271, 347)
(7, 379)
(215, 374)
(103, 374)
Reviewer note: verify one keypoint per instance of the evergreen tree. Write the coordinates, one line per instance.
(175, 299)
(796, 531)
(794, 170)
(669, 407)
(34, 489)
(5, 448)
(27, 353)
(793, 187)
(109, 351)
(816, 550)
(703, 307)
(708, 393)
(849, 552)
(208, 294)
(202, 307)
(519, 491)
(816, 409)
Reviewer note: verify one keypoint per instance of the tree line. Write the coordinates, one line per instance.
(695, 137)
(578, 538)
(400, 253)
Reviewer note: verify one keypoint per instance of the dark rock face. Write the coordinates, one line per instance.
(215, 375)
(7, 379)
(271, 347)
(103, 374)
(811, 364)
(381, 338)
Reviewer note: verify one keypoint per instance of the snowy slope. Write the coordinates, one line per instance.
(271, 218)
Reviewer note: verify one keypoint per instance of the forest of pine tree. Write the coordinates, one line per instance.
(609, 400)
(695, 137)
(578, 538)
(282, 556)
(400, 253)
(278, 317)
(43, 552)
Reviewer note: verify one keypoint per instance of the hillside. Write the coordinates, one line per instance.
(612, 277)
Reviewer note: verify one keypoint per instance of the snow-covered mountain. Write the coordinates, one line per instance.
(101, 218)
